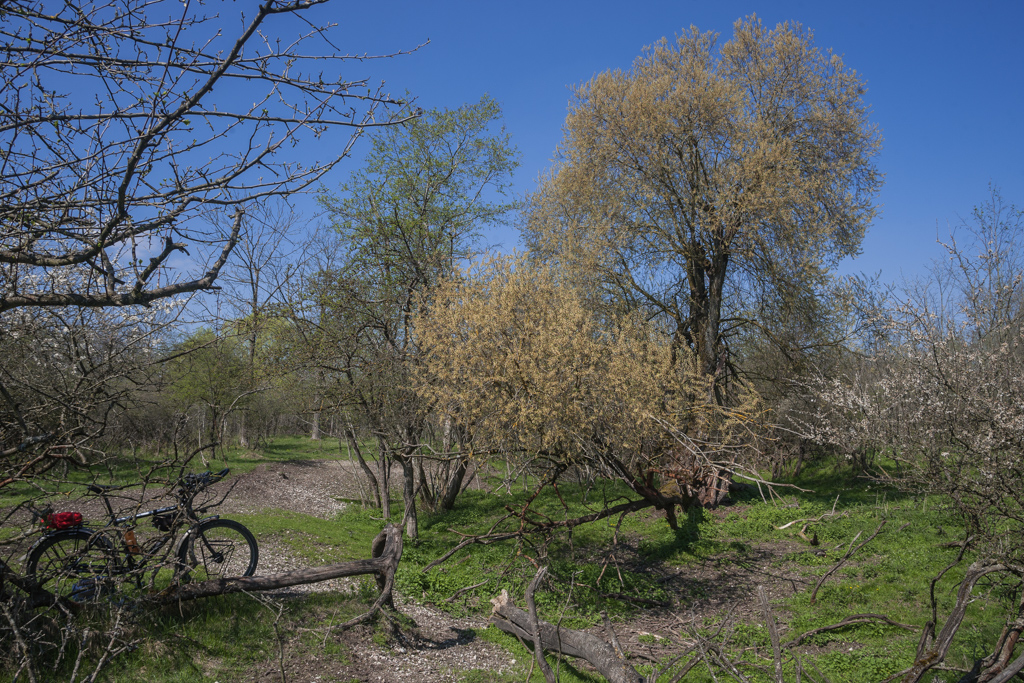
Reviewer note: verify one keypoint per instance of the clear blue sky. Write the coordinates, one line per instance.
(945, 83)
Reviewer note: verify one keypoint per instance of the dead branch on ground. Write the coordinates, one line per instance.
(580, 644)
(851, 620)
(386, 552)
(841, 562)
(937, 653)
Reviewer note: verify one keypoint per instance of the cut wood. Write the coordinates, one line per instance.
(510, 619)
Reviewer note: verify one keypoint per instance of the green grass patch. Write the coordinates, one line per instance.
(889, 576)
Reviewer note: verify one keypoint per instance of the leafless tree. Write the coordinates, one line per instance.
(944, 399)
(122, 125)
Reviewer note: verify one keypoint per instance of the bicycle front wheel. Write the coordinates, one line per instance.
(218, 549)
(76, 564)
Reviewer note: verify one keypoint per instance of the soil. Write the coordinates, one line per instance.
(441, 647)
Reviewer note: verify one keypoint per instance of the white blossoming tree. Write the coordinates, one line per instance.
(945, 400)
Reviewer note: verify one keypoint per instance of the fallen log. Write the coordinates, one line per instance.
(386, 552)
(512, 620)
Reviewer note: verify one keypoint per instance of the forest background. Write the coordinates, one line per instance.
(679, 320)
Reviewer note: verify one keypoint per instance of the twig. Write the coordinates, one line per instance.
(108, 652)
(848, 555)
(21, 642)
(704, 656)
(815, 519)
(656, 673)
(465, 589)
(773, 633)
(844, 513)
(631, 598)
(531, 607)
(327, 631)
(78, 659)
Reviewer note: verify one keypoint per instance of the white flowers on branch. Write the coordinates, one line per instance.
(945, 399)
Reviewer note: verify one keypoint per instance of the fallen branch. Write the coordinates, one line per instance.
(489, 538)
(815, 519)
(851, 620)
(464, 589)
(848, 555)
(514, 621)
(773, 633)
(937, 653)
(929, 628)
(386, 552)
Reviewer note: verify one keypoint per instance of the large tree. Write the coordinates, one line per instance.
(710, 182)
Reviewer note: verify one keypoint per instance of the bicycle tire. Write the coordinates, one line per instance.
(218, 549)
(77, 564)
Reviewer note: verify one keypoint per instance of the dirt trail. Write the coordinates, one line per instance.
(443, 647)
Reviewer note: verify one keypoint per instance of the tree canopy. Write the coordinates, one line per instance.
(123, 123)
(711, 178)
(401, 224)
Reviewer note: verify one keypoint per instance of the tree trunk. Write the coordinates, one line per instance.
(426, 494)
(354, 445)
(214, 421)
(384, 468)
(454, 484)
(510, 619)
(243, 439)
(409, 494)
(315, 434)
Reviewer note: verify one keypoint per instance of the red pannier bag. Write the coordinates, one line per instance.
(63, 520)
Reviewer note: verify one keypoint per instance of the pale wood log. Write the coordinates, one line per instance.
(510, 619)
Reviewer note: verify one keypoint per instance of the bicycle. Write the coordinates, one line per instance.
(79, 563)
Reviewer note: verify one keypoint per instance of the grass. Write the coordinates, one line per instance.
(224, 638)
(890, 575)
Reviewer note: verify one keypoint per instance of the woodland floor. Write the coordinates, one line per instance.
(442, 647)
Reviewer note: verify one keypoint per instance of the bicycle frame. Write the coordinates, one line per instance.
(90, 558)
(130, 560)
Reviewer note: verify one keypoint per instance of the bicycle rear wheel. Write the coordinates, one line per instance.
(218, 549)
(76, 564)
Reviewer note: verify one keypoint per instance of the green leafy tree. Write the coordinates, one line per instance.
(210, 373)
(402, 223)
